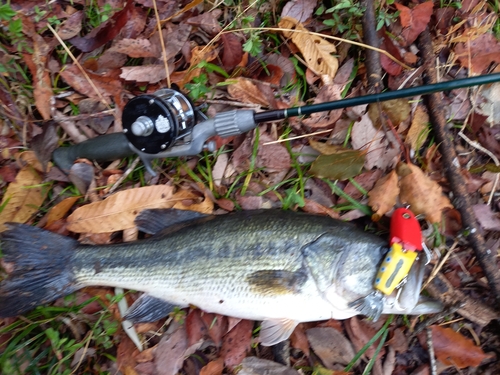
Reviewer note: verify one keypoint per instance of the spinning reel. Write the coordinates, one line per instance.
(166, 124)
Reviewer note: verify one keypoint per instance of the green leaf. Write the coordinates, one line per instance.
(340, 166)
(6, 12)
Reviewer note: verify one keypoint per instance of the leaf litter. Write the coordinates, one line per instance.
(211, 55)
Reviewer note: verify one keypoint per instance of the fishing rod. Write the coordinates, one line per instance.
(166, 124)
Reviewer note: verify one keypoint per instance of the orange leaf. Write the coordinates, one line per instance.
(383, 196)
(452, 348)
(213, 367)
(422, 194)
(414, 20)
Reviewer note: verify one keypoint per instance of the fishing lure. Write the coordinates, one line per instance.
(406, 245)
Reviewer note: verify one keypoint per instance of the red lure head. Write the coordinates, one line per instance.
(405, 229)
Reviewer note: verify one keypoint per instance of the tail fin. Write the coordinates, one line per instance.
(38, 266)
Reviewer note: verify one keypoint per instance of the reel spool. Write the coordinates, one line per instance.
(154, 123)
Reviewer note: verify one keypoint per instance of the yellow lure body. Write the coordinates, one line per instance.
(394, 268)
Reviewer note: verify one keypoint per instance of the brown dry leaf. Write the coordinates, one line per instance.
(419, 128)
(360, 332)
(301, 10)
(135, 48)
(479, 53)
(107, 86)
(236, 343)
(37, 62)
(60, 210)
(170, 352)
(145, 73)
(72, 26)
(454, 349)
(29, 158)
(298, 340)
(195, 326)
(314, 207)
(216, 326)
(414, 20)
(207, 22)
(384, 195)
(232, 52)
(327, 93)
(272, 157)
(125, 356)
(213, 367)
(244, 90)
(382, 148)
(317, 52)
(422, 194)
(487, 219)
(119, 210)
(331, 346)
(398, 110)
(22, 198)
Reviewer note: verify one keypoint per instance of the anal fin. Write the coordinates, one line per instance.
(274, 331)
(148, 309)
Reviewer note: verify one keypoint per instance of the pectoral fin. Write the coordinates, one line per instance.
(277, 281)
(274, 331)
(148, 309)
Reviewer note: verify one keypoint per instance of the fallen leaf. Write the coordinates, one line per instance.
(169, 355)
(272, 157)
(145, 73)
(478, 54)
(37, 62)
(195, 326)
(175, 38)
(107, 31)
(22, 198)
(135, 48)
(489, 104)
(60, 210)
(360, 332)
(216, 326)
(72, 26)
(317, 52)
(244, 90)
(454, 349)
(340, 166)
(414, 20)
(398, 111)
(44, 144)
(383, 197)
(259, 366)
(119, 210)
(213, 367)
(419, 128)
(331, 346)
(382, 150)
(81, 175)
(301, 10)
(236, 343)
(422, 194)
(488, 220)
(365, 180)
(198, 54)
(323, 119)
(232, 51)
(390, 66)
(207, 22)
(107, 86)
(125, 359)
(298, 340)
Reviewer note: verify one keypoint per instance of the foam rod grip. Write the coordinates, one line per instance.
(103, 148)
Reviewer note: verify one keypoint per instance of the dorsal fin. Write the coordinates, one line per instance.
(154, 221)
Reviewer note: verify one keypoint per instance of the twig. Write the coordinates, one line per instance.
(75, 61)
(461, 201)
(163, 50)
(124, 175)
(373, 67)
(432, 357)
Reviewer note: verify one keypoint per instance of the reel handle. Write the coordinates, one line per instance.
(103, 148)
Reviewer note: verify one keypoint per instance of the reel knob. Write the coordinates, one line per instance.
(153, 123)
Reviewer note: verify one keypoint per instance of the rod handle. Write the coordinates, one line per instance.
(103, 148)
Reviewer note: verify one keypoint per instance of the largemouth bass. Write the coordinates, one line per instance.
(279, 267)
